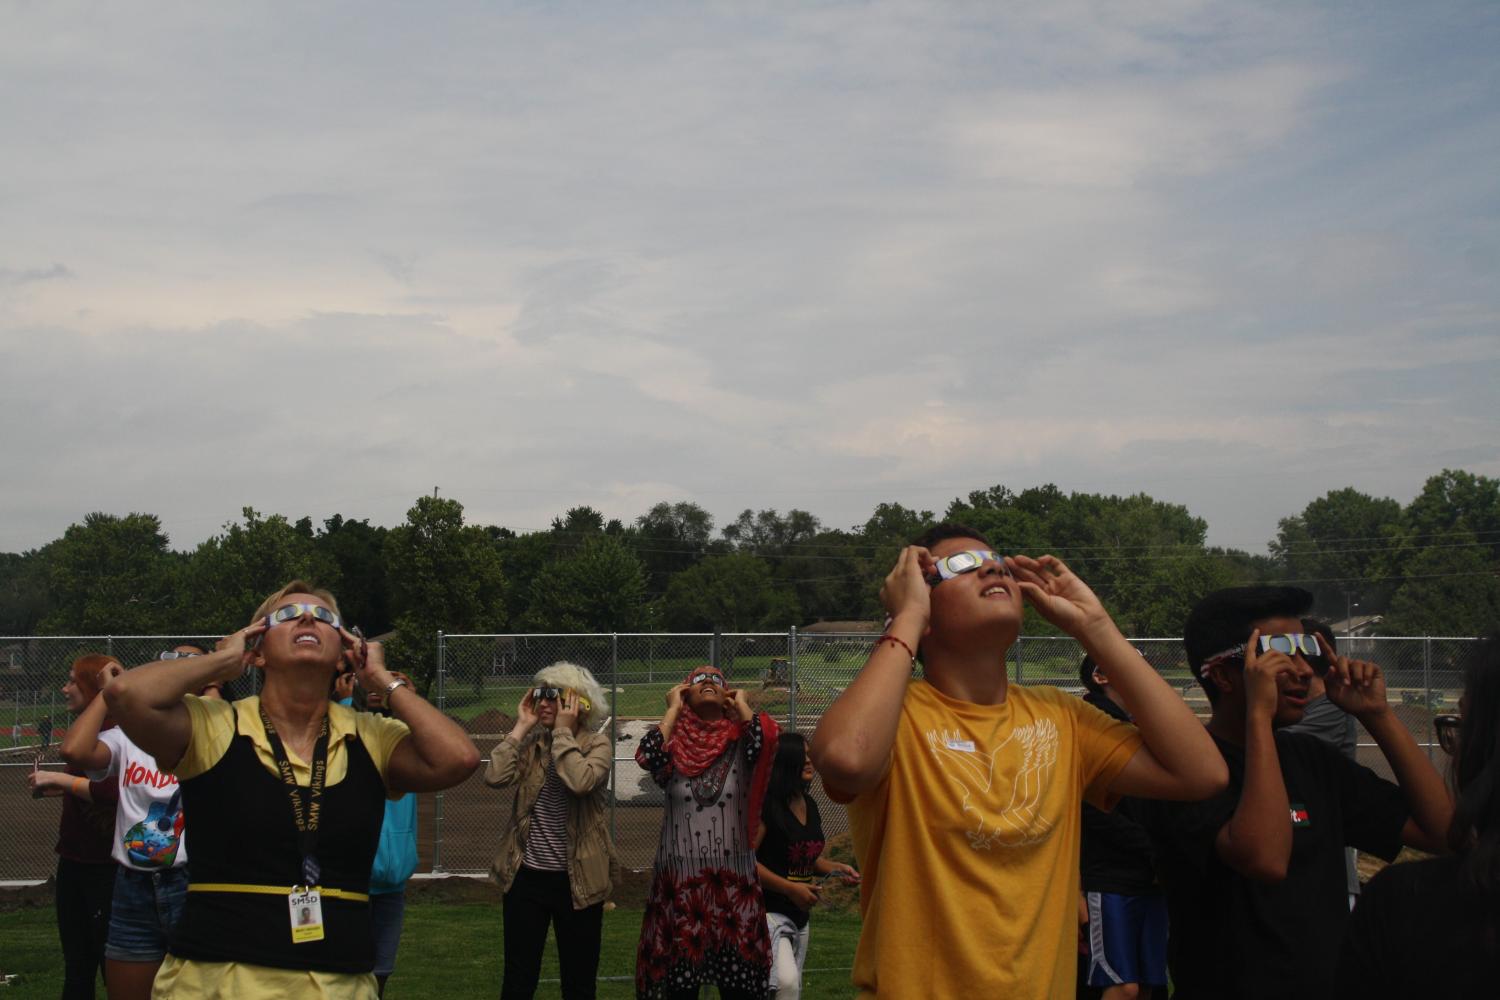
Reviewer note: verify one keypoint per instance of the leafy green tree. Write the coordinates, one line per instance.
(1456, 503)
(671, 537)
(23, 590)
(1450, 590)
(522, 559)
(358, 549)
(443, 575)
(599, 587)
(227, 576)
(732, 593)
(110, 574)
(1340, 542)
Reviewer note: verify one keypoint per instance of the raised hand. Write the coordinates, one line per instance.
(675, 695)
(343, 686)
(108, 673)
(739, 703)
(1057, 593)
(1356, 686)
(567, 711)
(906, 590)
(241, 646)
(1263, 672)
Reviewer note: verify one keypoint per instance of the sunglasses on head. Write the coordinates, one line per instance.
(291, 612)
(1447, 727)
(172, 654)
(555, 694)
(963, 562)
(707, 676)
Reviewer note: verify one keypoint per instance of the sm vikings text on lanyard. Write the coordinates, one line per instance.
(307, 805)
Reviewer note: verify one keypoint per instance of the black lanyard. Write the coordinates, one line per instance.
(306, 803)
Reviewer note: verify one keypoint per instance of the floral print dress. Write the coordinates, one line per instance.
(705, 920)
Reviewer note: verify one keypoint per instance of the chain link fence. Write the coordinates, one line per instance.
(480, 680)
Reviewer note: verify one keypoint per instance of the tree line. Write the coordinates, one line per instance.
(1431, 566)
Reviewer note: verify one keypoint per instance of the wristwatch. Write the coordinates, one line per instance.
(392, 686)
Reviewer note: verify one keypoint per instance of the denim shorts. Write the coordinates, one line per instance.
(146, 908)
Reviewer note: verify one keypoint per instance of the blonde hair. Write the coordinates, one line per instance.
(295, 587)
(563, 674)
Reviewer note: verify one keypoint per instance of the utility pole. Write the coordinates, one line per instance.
(1349, 605)
(434, 492)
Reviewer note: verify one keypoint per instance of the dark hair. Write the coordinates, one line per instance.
(1226, 618)
(1086, 675)
(945, 530)
(786, 769)
(202, 650)
(1475, 832)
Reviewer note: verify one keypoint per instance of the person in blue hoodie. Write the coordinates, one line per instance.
(395, 860)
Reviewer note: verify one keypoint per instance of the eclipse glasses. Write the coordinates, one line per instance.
(1286, 643)
(555, 694)
(963, 562)
(291, 612)
(709, 677)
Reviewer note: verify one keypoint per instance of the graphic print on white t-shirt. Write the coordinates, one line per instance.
(148, 821)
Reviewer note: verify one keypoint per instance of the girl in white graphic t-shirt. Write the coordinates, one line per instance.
(149, 843)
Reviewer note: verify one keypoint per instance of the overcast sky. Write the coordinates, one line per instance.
(320, 258)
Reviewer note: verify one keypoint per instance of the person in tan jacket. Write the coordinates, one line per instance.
(554, 861)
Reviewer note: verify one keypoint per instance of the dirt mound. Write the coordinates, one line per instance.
(491, 720)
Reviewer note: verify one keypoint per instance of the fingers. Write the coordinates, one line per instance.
(1034, 593)
(1251, 647)
(1360, 673)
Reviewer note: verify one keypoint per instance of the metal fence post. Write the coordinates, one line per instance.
(614, 687)
(109, 645)
(1427, 692)
(713, 649)
(791, 687)
(437, 800)
(1020, 644)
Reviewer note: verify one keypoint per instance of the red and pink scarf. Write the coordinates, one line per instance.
(697, 743)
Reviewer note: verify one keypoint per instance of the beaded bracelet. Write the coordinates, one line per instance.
(887, 637)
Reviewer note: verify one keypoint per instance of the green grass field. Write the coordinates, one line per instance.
(449, 949)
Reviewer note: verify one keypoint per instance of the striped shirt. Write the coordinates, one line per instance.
(547, 841)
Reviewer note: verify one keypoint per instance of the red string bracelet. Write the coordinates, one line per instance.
(900, 642)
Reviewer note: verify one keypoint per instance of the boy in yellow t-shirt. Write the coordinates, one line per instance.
(964, 792)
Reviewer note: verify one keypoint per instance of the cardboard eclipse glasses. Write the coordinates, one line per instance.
(963, 562)
(555, 694)
(1286, 643)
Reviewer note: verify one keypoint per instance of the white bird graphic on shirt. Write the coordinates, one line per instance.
(1016, 820)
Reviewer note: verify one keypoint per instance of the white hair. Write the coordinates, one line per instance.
(563, 674)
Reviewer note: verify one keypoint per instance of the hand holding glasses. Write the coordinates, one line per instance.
(963, 562)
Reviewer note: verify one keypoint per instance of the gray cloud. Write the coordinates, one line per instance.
(809, 256)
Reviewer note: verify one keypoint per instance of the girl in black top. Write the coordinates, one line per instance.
(1432, 928)
(789, 857)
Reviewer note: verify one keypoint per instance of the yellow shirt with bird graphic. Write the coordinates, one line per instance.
(969, 844)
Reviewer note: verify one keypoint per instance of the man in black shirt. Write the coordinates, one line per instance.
(1255, 875)
(1123, 908)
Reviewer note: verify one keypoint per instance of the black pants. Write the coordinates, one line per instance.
(535, 899)
(82, 895)
(723, 994)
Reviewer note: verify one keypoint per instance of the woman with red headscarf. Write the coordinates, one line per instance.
(705, 921)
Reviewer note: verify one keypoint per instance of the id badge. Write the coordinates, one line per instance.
(306, 910)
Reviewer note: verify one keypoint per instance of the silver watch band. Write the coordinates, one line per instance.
(392, 686)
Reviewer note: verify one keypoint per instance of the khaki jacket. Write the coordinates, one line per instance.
(583, 765)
